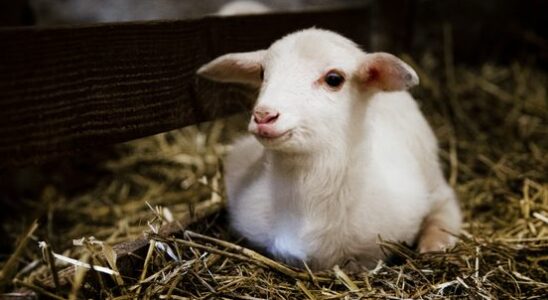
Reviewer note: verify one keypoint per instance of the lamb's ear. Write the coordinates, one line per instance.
(235, 67)
(386, 72)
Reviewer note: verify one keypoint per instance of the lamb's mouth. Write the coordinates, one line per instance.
(275, 139)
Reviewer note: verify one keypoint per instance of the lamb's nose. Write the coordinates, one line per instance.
(265, 115)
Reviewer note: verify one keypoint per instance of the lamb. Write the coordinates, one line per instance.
(341, 155)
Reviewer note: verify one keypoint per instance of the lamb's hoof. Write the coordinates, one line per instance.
(435, 240)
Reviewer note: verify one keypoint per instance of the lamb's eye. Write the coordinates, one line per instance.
(262, 73)
(334, 79)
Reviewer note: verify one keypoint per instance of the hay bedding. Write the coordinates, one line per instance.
(491, 123)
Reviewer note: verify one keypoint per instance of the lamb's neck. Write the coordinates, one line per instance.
(314, 183)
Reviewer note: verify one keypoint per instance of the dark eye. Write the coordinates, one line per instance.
(334, 79)
(262, 73)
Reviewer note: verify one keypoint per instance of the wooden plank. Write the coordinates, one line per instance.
(71, 88)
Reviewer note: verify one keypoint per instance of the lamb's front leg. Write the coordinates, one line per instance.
(442, 223)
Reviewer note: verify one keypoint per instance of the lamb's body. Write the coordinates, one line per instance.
(324, 211)
(334, 166)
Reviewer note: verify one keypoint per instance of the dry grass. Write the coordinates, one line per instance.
(491, 122)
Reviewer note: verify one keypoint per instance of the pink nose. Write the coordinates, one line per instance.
(263, 115)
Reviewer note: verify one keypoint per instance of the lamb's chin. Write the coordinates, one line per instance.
(291, 145)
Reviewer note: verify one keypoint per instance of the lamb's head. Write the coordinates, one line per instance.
(311, 83)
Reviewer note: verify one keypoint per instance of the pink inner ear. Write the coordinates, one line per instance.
(384, 72)
(372, 76)
(383, 75)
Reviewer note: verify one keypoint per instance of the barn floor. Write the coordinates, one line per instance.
(492, 125)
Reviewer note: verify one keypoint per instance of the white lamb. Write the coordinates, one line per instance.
(341, 154)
